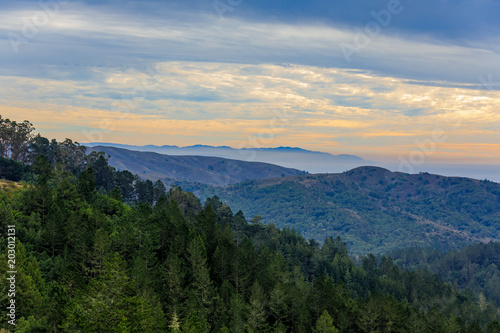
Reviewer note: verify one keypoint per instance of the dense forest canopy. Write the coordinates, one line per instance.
(98, 250)
(476, 267)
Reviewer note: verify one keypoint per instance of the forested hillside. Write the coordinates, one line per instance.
(87, 262)
(373, 209)
(476, 267)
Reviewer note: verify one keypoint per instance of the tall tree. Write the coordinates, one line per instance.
(15, 139)
(257, 310)
(201, 292)
(325, 324)
(109, 304)
(87, 184)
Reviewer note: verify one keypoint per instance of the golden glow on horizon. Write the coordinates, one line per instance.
(333, 110)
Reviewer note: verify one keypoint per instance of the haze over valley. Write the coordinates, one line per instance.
(320, 162)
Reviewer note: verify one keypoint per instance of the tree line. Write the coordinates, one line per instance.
(20, 149)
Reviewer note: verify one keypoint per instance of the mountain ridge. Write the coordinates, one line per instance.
(289, 157)
(204, 169)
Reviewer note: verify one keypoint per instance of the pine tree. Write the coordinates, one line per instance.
(483, 304)
(238, 313)
(325, 324)
(42, 193)
(257, 313)
(158, 191)
(175, 323)
(173, 277)
(87, 184)
(453, 325)
(109, 304)
(278, 305)
(202, 284)
(200, 293)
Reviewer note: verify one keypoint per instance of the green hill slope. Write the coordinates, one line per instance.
(373, 209)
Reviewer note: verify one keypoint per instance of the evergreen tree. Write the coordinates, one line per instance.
(238, 313)
(201, 291)
(175, 324)
(87, 184)
(257, 312)
(110, 305)
(325, 324)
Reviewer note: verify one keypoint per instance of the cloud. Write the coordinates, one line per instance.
(462, 20)
(168, 75)
(81, 37)
(272, 105)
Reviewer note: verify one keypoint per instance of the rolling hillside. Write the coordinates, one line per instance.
(373, 209)
(202, 169)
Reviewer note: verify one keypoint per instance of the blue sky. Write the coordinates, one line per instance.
(372, 78)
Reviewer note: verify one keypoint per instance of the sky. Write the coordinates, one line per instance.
(404, 81)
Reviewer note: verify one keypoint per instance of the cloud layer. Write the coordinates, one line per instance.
(135, 75)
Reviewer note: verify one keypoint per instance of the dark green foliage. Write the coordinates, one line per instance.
(87, 183)
(325, 324)
(103, 172)
(475, 267)
(90, 263)
(12, 170)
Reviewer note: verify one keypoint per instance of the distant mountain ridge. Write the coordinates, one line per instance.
(290, 157)
(202, 169)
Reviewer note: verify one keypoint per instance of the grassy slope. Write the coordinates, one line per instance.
(7, 185)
